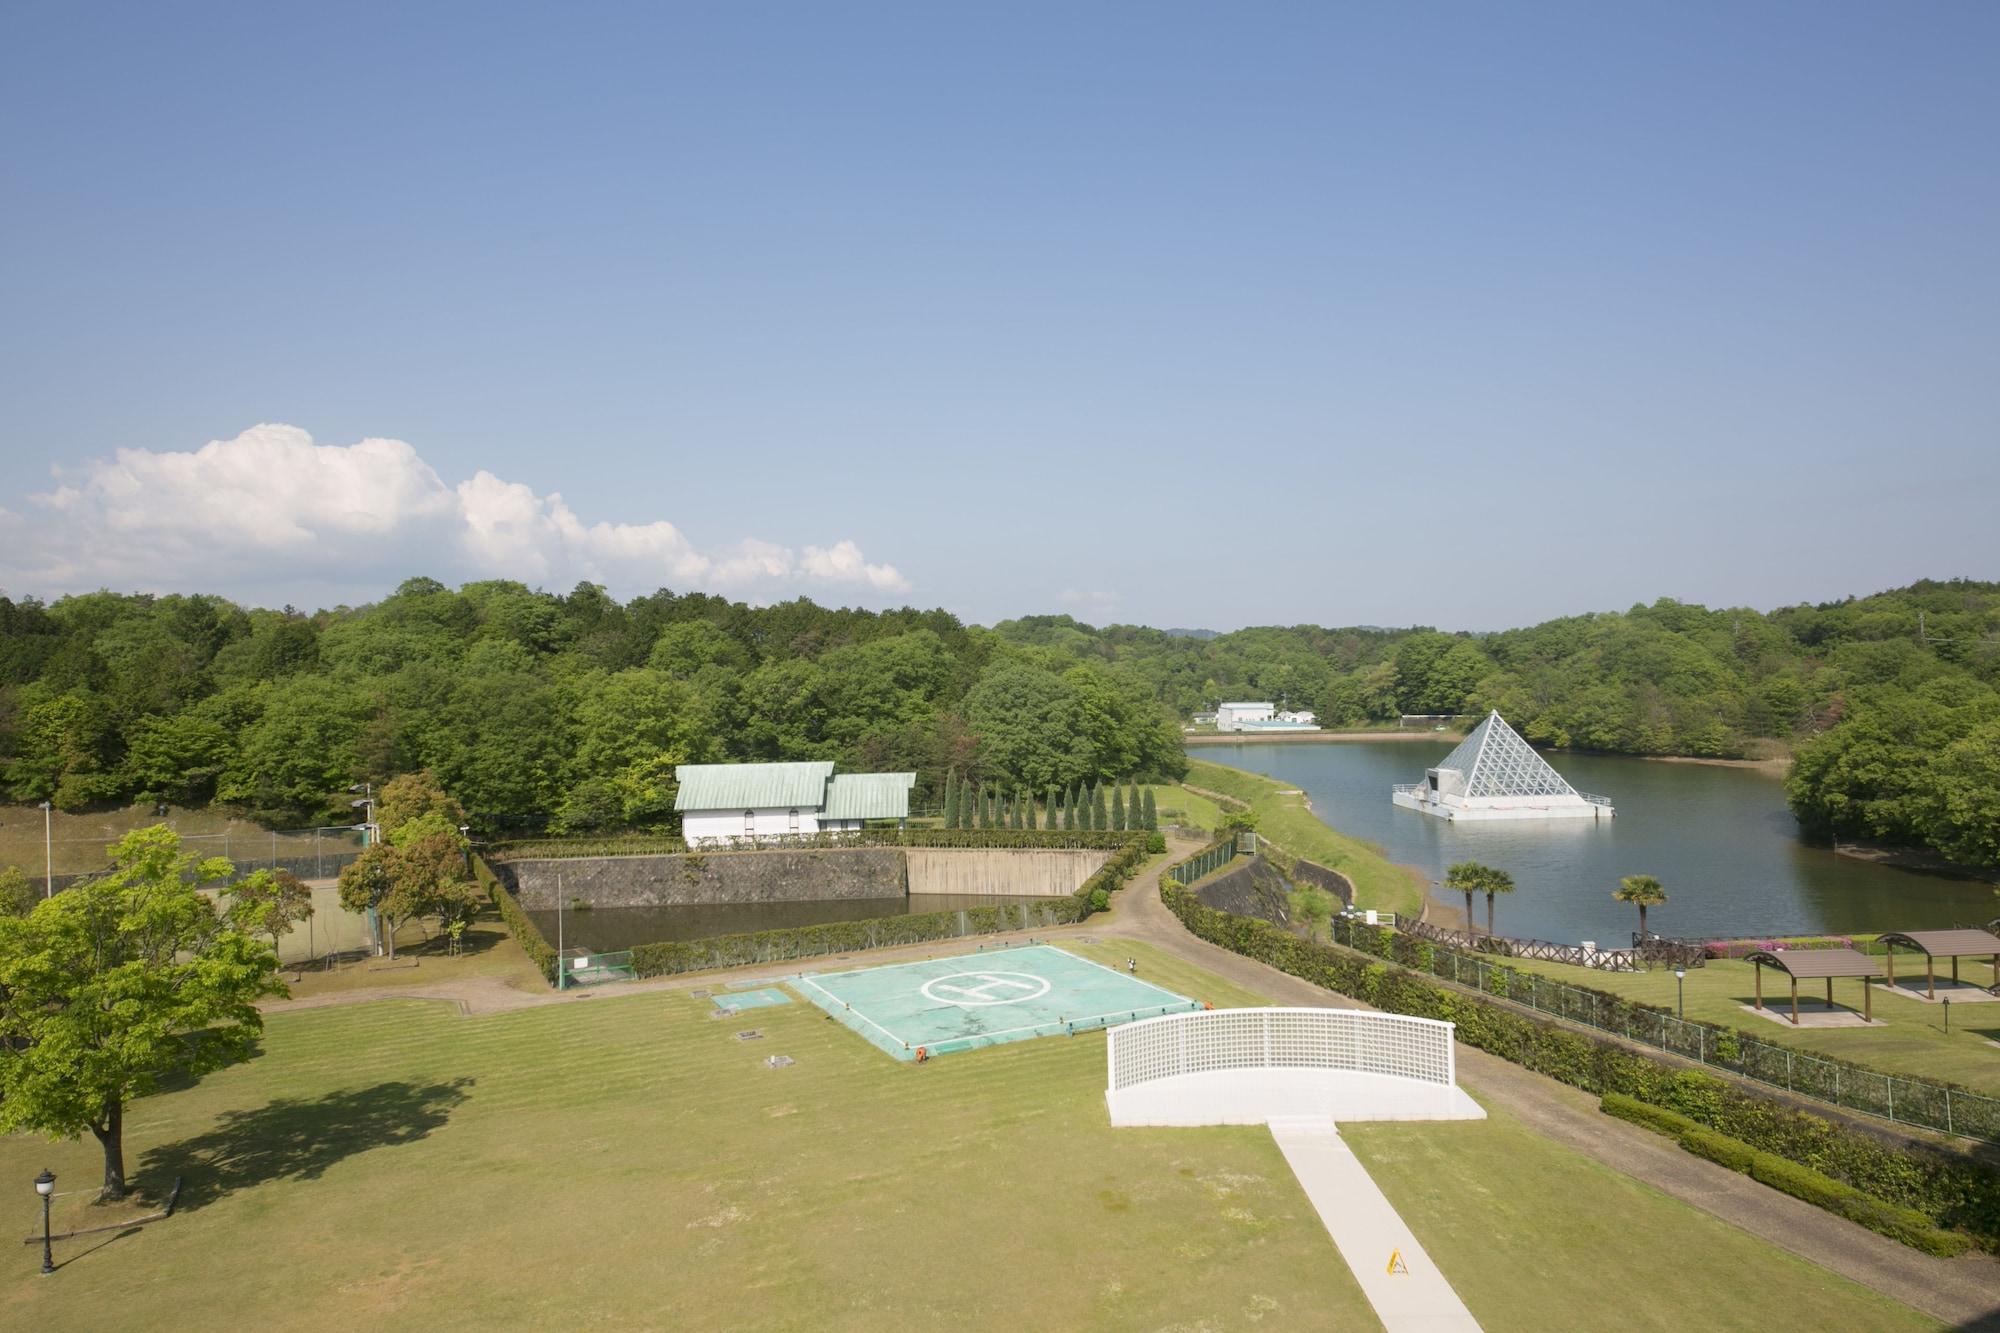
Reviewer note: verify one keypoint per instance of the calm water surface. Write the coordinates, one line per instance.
(1720, 839)
(610, 928)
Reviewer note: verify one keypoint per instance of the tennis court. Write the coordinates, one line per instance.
(943, 1005)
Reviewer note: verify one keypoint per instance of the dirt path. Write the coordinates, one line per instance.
(1964, 1292)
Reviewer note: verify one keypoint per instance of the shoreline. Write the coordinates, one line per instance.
(1776, 767)
(1312, 737)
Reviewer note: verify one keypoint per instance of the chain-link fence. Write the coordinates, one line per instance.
(1204, 862)
(310, 853)
(1898, 1097)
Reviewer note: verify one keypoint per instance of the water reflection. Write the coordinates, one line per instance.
(608, 928)
(1721, 839)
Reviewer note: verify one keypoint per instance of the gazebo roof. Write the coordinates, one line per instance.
(1947, 943)
(1811, 964)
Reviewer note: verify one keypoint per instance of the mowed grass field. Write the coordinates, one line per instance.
(80, 841)
(1284, 817)
(627, 1161)
(1912, 1039)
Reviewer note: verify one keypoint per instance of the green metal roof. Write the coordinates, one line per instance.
(752, 786)
(869, 796)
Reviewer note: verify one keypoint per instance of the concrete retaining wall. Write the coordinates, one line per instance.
(707, 877)
(1017, 873)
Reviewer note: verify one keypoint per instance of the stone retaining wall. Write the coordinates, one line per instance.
(1013, 872)
(707, 877)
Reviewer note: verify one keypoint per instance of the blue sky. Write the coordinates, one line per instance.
(1454, 314)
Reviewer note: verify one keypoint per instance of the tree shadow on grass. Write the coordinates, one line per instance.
(297, 1138)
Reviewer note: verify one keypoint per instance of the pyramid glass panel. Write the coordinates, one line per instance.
(1505, 765)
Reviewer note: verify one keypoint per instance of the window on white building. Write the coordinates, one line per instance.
(749, 823)
(795, 821)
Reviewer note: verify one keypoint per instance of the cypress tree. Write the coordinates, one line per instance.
(1014, 810)
(1100, 812)
(1090, 820)
(950, 795)
(1151, 818)
(978, 819)
(1049, 808)
(1068, 810)
(1024, 809)
(1132, 805)
(1118, 809)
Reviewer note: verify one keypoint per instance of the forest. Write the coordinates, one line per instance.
(567, 713)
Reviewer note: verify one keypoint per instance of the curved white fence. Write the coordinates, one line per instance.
(1248, 1066)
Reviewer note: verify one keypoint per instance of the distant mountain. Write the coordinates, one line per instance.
(1192, 633)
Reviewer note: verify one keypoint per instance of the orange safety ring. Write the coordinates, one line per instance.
(1206, 1005)
(923, 1054)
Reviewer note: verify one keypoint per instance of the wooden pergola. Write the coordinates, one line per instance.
(1819, 964)
(1936, 944)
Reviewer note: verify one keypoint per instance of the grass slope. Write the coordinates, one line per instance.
(1284, 818)
(625, 1160)
(1913, 1040)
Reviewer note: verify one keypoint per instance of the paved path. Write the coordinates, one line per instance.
(1963, 1292)
(1398, 1278)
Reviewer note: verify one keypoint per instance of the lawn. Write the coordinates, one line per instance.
(626, 1160)
(1912, 1039)
(80, 840)
(1178, 805)
(1284, 818)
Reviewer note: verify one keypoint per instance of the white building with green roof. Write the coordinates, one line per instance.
(723, 804)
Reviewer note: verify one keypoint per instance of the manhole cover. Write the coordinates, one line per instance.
(750, 1034)
(778, 1061)
(699, 994)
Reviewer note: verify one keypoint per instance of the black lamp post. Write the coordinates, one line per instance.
(1680, 992)
(45, 1185)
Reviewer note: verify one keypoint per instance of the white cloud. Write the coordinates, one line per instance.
(272, 510)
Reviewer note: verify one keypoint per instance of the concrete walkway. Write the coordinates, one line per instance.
(1963, 1292)
(1398, 1278)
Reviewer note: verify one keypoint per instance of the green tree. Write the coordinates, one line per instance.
(1313, 907)
(411, 797)
(1100, 810)
(1069, 809)
(1051, 815)
(1493, 883)
(1151, 816)
(1468, 878)
(117, 985)
(950, 796)
(1118, 808)
(1642, 891)
(271, 903)
(18, 894)
(368, 883)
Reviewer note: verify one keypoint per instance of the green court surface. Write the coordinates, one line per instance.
(1007, 994)
(737, 1001)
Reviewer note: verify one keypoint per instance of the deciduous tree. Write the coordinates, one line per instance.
(118, 984)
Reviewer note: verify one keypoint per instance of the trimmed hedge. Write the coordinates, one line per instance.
(641, 844)
(1907, 1225)
(1950, 1190)
(525, 932)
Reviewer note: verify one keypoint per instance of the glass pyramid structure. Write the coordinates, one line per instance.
(1494, 774)
(1497, 762)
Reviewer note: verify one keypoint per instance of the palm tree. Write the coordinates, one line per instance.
(1467, 877)
(1643, 890)
(1495, 881)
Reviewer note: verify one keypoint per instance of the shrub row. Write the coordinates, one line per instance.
(768, 946)
(1907, 1225)
(525, 932)
(1949, 1189)
(1907, 1098)
(661, 845)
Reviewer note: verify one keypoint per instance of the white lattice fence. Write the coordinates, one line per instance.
(1332, 1039)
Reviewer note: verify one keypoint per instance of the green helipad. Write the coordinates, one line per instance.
(982, 999)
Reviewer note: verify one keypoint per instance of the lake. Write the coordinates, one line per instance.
(1720, 839)
(607, 929)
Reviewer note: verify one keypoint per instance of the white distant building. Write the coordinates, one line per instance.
(1260, 717)
(1300, 717)
(1494, 774)
(724, 803)
(1231, 717)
